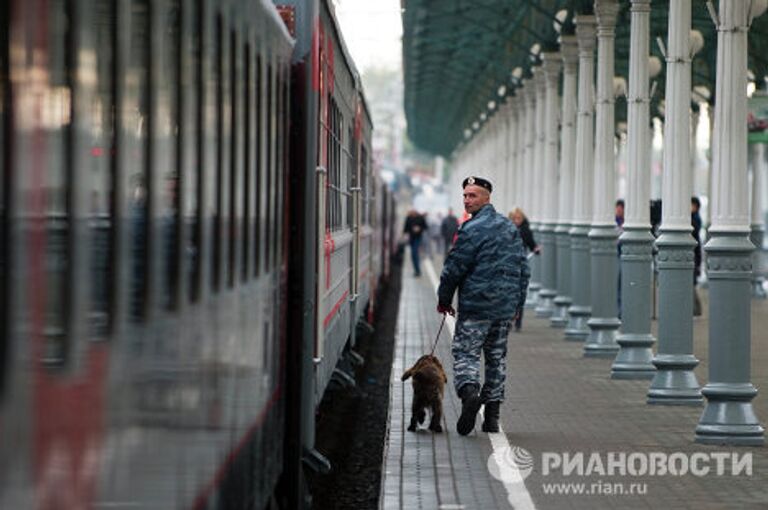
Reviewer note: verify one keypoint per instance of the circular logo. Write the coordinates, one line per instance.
(471, 180)
(510, 464)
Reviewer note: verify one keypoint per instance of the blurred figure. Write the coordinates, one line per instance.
(435, 238)
(620, 225)
(415, 225)
(620, 214)
(520, 220)
(523, 226)
(448, 229)
(696, 224)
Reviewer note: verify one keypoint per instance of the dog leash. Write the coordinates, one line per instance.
(438, 335)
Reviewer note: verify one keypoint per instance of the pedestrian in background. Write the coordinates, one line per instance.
(415, 225)
(696, 224)
(488, 267)
(448, 229)
(524, 227)
(619, 225)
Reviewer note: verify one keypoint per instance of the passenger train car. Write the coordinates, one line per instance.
(192, 229)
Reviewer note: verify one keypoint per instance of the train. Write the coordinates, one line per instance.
(193, 232)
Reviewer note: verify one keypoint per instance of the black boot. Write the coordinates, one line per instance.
(470, 405)
(491, 421)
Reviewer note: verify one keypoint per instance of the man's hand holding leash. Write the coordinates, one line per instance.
(446, 309)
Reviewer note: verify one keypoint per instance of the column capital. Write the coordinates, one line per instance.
(569, 51)
(528, 91)
(552, 63)
(586, 30)
(517, 102)
(606, 12)
(641, 6)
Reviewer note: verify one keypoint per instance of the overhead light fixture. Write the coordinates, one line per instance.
(758, 9)
(560, 18)
(491, 105)
(696, 42)
(701, 92)
(502, 90)
(654, 66)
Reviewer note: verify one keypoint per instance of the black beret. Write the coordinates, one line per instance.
(477, 181)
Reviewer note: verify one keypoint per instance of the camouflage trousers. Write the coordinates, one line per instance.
(490, 337)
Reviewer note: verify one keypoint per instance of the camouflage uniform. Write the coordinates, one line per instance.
(490, 270)
(471, 337)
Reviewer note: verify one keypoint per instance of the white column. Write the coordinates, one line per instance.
(530, 182)
(580, 310)
(540, 146)
(729, 417)
(521, 164)
(551, 68)
(511, 140)
(569, 51)
(603, 233)
(758, 229)
(529, 94)
(675, 382)
(505, 165)
(635, 340)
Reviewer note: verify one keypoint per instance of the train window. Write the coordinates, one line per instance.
(257, 165)
(5, 166)
(247, 167)
(233, 159)
(351, 159)
(218, 77)
(335, 189)
(269, 139)
(169, 165)
(279, 143)
(365, 207)
(284, 151)
(194, 184)
(102, 162)
(58, 155)
(138, 123)
(371, 185)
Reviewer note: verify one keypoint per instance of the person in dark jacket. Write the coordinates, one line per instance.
(448, 229)
(415, 226)
(489, 268)
(521, 222)
(696, 224)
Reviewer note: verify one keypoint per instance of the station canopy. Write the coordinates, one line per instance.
(463, 58)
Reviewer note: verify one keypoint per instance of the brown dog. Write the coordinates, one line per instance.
(428, 386)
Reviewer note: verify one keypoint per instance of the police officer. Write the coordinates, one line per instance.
(490, 270)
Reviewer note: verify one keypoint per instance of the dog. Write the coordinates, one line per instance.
(428, 387)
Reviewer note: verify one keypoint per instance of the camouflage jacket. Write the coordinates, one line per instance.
(489, 267)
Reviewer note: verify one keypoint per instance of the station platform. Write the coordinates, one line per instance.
(571, 436)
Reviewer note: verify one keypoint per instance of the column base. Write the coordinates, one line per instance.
(634, 359)
(758, 291)
(674, 382)
(729, 418)
(577, 329)
(532, 298)
(601, 342)
(559, 318)
(546, 306)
